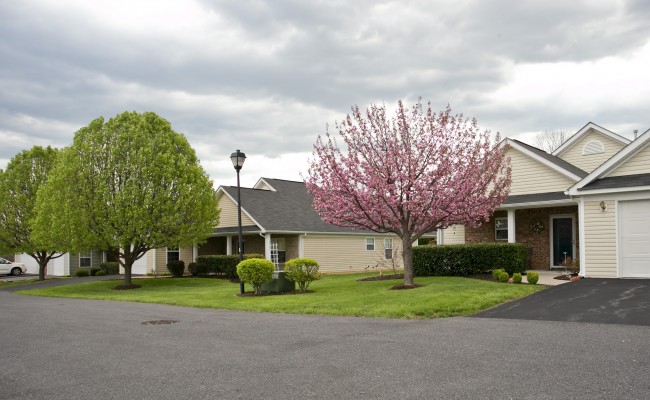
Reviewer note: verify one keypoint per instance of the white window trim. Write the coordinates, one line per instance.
(89, 256)
(501, 229)
(172, 249)
(368, 243)
(391, 248)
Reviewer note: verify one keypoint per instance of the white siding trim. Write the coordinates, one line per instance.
(581, 222)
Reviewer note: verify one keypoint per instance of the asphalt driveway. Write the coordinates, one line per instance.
(603, 301)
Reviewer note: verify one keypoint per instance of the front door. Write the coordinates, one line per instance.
(562, 239)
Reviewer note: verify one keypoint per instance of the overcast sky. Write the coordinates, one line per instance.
(267, 77)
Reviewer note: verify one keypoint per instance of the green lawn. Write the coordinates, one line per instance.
(16, 283)
(333, 295)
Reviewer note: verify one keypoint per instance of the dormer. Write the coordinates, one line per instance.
(590, 147)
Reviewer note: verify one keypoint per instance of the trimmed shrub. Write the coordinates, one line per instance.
(532, 277)
(503, 276)
(256, 271)
(497, 272)
(176, 268)
(94, 271)
(468, 259)
(303, 271)
(253, 255)
(110, 268)
(80, 273)
(100, 273)
(199, 269)
(516, 277)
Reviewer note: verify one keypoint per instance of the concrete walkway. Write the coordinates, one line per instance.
(547, 277)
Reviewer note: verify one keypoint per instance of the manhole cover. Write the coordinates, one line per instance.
(160, 322)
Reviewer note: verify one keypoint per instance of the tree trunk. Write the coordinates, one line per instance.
(42, 264)
(407, 258)
(127, 272)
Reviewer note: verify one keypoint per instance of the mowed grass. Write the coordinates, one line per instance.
(339, 295)
(16, 283)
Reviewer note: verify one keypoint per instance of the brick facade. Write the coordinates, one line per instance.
(539, 243)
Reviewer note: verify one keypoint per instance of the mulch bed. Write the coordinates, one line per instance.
(382, 278)
(565, 277)
(127, 287)
(252, 294)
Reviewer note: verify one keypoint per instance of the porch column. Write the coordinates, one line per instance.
(440, 239)
(229, 245)
(511, 226)
(301, 246)
(195, 252)
(267, 246)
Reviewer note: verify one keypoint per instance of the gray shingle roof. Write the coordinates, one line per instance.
(289, 208)
(612, 182)
(554, 159)
(535, 197)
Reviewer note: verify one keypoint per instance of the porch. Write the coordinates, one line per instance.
(550, 233)
(275, 247)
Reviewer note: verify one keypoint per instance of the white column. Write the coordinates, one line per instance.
(440, 239)
(581, 230)
(229, 245)
(267, 246)
(511, 226)
(154, 266)
(195, 252)
(301, 246)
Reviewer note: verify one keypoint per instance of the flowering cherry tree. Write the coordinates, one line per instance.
(409, 174)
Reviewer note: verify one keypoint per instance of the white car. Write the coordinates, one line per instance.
(13, 268)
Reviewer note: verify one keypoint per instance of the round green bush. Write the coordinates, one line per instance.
(100, 273)
(503, 276)
(303, 271)
(80, 273)
(496, 272)
(256, 271)
(176, 268)
(516, 277)
(94, 270)
(532, 277)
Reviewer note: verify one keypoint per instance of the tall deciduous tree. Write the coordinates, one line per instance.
(19, 183)
(131, 184)
(410, 174)
(551, 139)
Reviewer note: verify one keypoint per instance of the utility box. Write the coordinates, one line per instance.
(279, 284)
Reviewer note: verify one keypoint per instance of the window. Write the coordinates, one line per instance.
(388, 249)
(173, 254)
(501, 228)
(85, 259)
(370, 244)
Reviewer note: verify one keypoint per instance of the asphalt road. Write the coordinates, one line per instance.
(82, 349)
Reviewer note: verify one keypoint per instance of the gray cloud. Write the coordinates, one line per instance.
(268, 76)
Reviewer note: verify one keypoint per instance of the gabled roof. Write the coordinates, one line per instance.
(597, 179)
(583, 131)
(554, 162)
(287, 208)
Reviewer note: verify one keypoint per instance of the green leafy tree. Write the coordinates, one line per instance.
(130, 185)
(19, 183)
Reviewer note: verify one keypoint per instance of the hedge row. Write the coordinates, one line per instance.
(468, 259)
(225, 266)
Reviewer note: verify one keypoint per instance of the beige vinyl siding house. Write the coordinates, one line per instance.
(589, 200)
(281, 223)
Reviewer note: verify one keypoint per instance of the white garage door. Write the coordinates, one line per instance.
(634, 224)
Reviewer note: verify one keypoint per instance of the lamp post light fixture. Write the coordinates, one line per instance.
(238, 159)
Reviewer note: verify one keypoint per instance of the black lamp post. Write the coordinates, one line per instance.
(238, 159)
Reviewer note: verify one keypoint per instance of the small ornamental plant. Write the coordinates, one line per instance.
(303, 271)
(516, 277)
(176, 268)
(532, 277)
(256, 272)
(80, 273)
(496, 272)
(503, 277)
